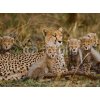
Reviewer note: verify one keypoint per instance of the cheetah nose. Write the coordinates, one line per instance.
(86, 48)
(59, 41)
(52, 55)
(73, 49)
(6, 47)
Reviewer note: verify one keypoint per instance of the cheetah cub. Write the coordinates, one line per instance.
(94, 51)
(54, 62)
(7, 43)
(74, 54)
(86, 45)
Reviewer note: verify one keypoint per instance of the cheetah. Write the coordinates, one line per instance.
(86, 45)
(7, 43)
(74, 54)
(53, 61)
(94, 51)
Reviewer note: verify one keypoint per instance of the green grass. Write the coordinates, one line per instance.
(82, 82)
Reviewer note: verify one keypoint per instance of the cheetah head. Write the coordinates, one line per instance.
(51, 52)
(53, 37)
(94, 39)
(7, 42)
(86, 43)
(73, 46)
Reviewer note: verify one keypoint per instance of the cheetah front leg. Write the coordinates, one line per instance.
(61, 71)
(86, 68)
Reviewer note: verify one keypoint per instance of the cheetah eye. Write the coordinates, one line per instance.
(54, 35)
(54, 41)
(61, 35)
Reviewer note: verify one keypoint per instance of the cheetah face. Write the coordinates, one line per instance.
(94, 39)
(7, 42)
(52, 37)
(86, 43)
(73, 46)
(59, 37)
(51, 52)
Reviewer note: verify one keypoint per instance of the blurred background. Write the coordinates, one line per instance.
(31, 25)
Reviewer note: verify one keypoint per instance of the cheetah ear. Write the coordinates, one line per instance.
(13, 35)
(12, 40)
(0, 40)
(79, 41)
(68, 42)
(54, 34)
(45, 32)
(95, 34)
(60, 29)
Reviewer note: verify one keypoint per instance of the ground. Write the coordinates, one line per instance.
(77, 82)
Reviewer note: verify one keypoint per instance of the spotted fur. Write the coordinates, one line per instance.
(15, 66)
(75, 58)
(86, 44)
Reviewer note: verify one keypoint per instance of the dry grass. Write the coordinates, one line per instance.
(25, 26)
(31, 25)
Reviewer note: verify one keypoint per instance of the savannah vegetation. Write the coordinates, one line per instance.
(25, 26)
